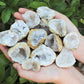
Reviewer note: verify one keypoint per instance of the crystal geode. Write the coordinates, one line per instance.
(20, 52)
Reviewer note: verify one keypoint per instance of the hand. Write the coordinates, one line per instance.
(4, 49)
(53, 73)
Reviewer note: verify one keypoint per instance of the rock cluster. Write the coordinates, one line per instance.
(47, 41)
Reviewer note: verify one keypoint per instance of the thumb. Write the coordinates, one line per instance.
(17, 66)
(19, 70)
(29, 75)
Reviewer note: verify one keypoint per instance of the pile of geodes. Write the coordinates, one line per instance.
(40, 40)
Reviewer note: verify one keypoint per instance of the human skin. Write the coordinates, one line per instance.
(53, 73)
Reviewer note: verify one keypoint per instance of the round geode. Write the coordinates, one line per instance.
(31, 64)
(54, 42)
(20, 28)
(20, 52)
(31, 18)
(8, 38)
(44, 55)
(57, 26)
(45, 13)
(36, 37)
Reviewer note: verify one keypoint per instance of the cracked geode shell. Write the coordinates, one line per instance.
(19, 53)
(71, 41)
(65, 58)
(46, 29)
(44, 23)
(45, 13)
(36, 37)
(54, 42)
(20, 28)
(44, 55)
(8, 38)
(31, 18)
(57, 26)
(31, 64)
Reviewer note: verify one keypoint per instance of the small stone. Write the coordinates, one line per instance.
(8, 38)
(44, 55)
(20, 28)
(19, 53)
(57, 26)
(71, 41)
(31, 18)
(54, 42)
(36, 37)
(45, 13)
(31, 64)
(65, 58)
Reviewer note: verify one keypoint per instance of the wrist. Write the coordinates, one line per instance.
(70, 76)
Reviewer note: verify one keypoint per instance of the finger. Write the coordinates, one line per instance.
(59, 15)
(38, 76)
(50, 71)
(22, 10)
(5, 50)
(17, 15)
(29, 75)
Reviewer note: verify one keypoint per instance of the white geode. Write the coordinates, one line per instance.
(36, 37)
(65, 58)
(45, 12)
(54, 42)
(44, 55)
(57, 26)
(31, 18)
(19, 53)
(71, 41)
(8, 38)
(31, 64)
(20, 28)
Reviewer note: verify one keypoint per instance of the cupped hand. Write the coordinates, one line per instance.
(52, 73)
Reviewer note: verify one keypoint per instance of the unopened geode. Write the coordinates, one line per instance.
(44, 55)
(19, 53)
(20, 28)
(36, 37)
(57, 26)
(45, 13)
(31, 64)
(31, 18)
(8, 38)
(54, 42)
